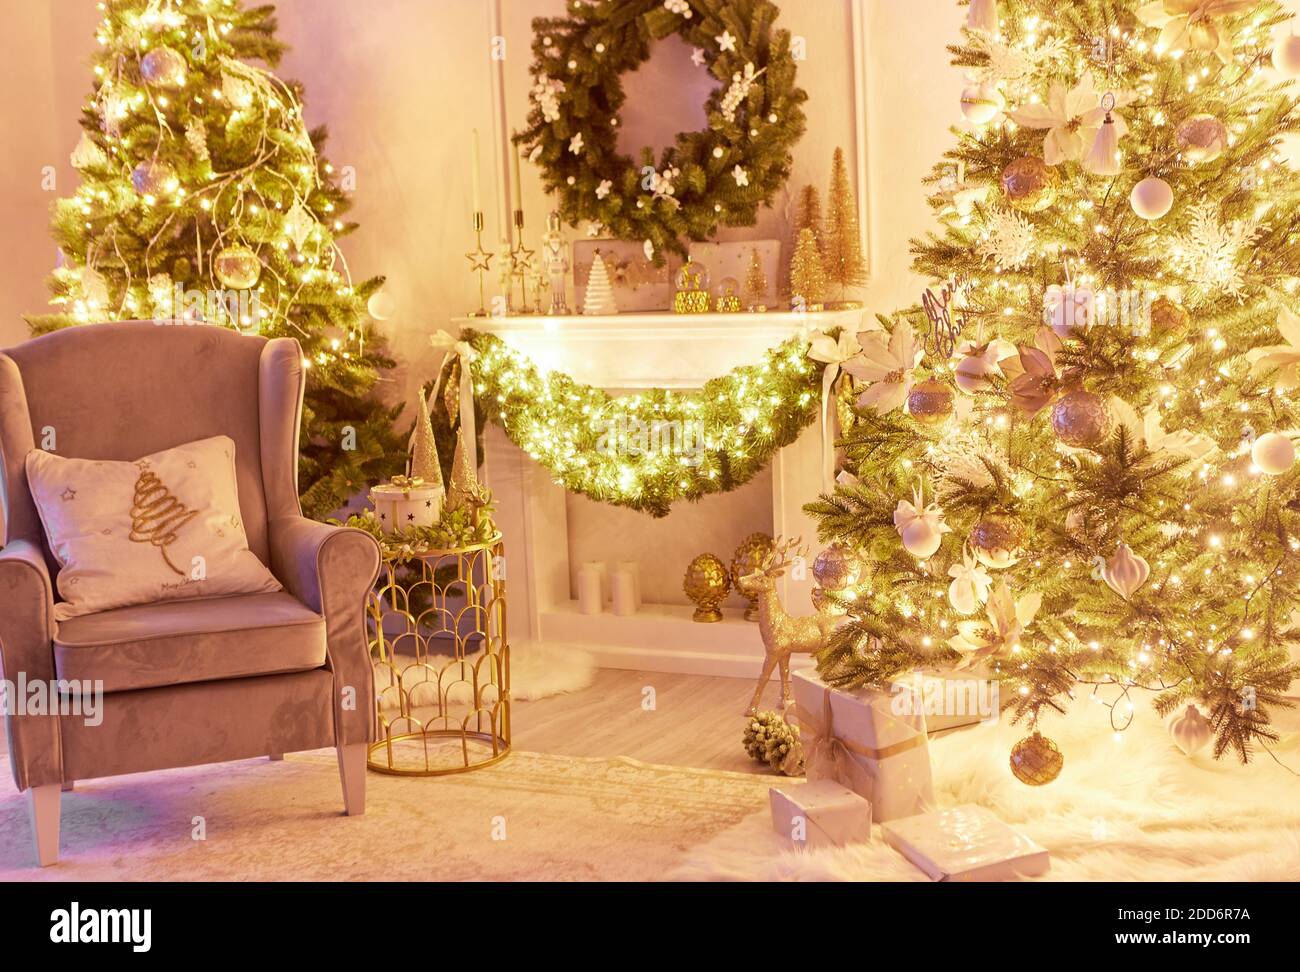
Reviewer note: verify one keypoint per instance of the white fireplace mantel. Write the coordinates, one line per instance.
(629, 352)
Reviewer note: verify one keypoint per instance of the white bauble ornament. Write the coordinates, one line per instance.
(237, 267)
(1273, 453)
(920, 527)
(1151, 198)
(1125, 572)
(980, 103)
(381, 305)
(1286, 56)
(1190, 731)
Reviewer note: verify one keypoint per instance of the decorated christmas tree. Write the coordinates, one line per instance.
(203, 197)
(1072, 465)
(842, 245)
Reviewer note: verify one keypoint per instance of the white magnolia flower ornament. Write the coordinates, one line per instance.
(1191, 24)
(887, 368)
(970, 584)
(1072, 119)
(1000, 635)
(979, 362)
(1147, 429)
(1283, 357)
(921, 526)
(1125, 572)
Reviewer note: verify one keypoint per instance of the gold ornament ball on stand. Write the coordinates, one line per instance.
(1029, 184)
(748, 558)
(1036, 760)
(998, 541)
(707, 583)
(1201, 138)
(163, 67)
(1080, 419)
(930, 402)
(1167, 315)
(237, 267)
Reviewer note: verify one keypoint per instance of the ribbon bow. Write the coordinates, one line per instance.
(407, 483)
(463, 403)
(832, 352)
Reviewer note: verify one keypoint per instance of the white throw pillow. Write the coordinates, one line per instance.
(162, 528)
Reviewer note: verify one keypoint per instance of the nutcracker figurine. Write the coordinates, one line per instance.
(555, 259)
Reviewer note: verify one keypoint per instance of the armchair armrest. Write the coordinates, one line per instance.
(26, 650)
(332, 570)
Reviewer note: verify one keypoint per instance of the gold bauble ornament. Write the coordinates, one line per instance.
(1201, 138)
(1168, 315)
(997, 541)
(706, 584)
(1036, 760)
(237, 267)
(748, 558)
(930, 402)
(1029, 184)
(163, 67)
(1080, 419)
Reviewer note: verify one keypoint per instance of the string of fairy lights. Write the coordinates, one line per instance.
(649, 450)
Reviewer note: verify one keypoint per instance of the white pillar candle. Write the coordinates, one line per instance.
(591, 595)
(478, 202)
(623, 587)
(633, 568)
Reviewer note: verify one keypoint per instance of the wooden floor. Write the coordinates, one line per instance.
(696, 720)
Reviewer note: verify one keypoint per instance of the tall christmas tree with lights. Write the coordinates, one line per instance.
(203, 197)
(1072, 464)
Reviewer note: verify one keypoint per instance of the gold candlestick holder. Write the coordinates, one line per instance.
(479, 262)
(521, 262)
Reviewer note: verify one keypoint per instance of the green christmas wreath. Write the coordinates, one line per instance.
(718, 176)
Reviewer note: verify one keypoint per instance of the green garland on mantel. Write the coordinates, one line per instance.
(649, 450)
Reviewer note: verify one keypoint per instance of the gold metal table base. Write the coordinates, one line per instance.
(444, 711)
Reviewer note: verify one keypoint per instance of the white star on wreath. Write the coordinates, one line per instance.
(725, 41)
(698, 56)
(740, 175)
(602, 190)
(575, 143)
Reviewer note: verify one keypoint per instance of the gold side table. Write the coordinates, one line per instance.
(441, 662)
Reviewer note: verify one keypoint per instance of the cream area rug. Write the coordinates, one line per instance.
(1130, 807)
(530, 817)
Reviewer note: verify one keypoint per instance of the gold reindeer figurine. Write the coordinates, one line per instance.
(782, 634)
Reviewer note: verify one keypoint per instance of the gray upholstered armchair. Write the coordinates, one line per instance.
(186, 682)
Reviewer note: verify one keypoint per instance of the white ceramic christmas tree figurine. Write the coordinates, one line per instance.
(599, 298)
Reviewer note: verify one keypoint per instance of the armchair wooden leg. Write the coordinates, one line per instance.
(43, 803)
(68, 786)
(352, 771)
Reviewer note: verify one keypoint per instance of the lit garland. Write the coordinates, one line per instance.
(649, 450)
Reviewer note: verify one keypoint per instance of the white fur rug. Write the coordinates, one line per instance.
(538, 670)
(1136, 809)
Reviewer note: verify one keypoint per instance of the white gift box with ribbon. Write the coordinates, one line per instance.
(406, 502)
(821, 814)
(870, 741)
(968, 843)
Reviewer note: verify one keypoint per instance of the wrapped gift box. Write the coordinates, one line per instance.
(966, 844)
(954, 699)
(871, 741)
(821, 814)
(398, 506)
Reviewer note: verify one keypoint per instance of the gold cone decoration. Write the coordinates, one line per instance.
(464, 490)
(424, 449)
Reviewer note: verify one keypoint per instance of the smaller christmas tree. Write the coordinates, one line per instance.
(810, 216)
(807, 276)
(842, 245)
(424, 447)
(599, 298)
(756, 282)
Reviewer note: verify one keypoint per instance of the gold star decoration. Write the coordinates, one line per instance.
(478, 258)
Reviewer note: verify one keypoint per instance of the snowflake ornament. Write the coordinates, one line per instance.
(1008, 239)
(1208, 253)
